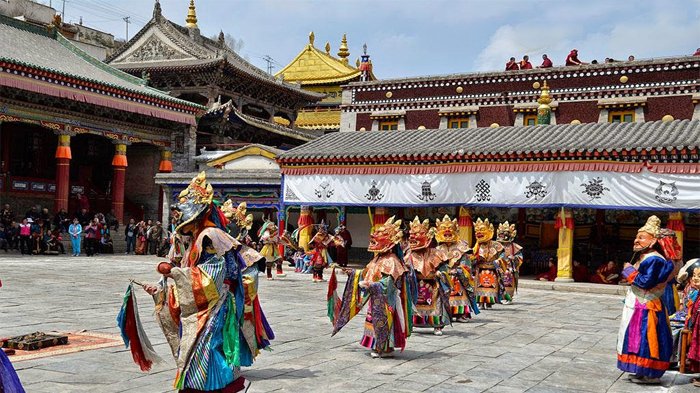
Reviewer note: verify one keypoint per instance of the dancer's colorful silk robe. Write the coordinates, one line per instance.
(644, 343)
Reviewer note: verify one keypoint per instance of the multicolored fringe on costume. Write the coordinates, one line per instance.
(434, 320)
(332, 298)
(133, 333)
(352, 301)
(467, 282)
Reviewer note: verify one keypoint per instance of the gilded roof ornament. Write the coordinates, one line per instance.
(328, 48)
(343, 51)
(545, 98)
(312, 37)
(191, 20)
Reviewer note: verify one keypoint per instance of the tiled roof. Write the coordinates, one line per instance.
(27, 45)
(451, 144)
(203, 49)
(296, 133)
(311, 66)
(318, 120)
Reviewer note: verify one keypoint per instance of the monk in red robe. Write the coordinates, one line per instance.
(512, 65)
(550, 274)
(606, 274)
(697, 52)
(580, 272)
(525, 63)
(572, 58)
(546, 62)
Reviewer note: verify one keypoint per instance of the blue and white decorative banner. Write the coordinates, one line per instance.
(645, 190)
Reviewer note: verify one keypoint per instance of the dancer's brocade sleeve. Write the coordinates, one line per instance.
(652, 272)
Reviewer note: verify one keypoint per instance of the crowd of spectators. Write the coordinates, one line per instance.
(571, 60)
(38, 232)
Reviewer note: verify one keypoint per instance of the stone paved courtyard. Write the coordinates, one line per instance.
(548, 341)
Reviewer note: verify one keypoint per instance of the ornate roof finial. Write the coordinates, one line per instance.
(328, 48)
(156, 10)
(343, 51)
(544, 111)
(312, 37)
(191, 20)
(222, 39)
(365, 65)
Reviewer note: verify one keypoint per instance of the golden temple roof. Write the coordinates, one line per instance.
(313, 66)
(319, 119)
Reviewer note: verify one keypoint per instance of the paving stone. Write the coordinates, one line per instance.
(547, 341)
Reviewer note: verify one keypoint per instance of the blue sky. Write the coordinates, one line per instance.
(429, 37)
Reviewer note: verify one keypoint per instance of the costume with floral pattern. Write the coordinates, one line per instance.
(490, 263)
(429, 264)
(456, 255)
(513, 257)
(388, 287)
(208, 306)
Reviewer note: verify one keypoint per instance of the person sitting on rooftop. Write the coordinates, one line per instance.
(572, 58)
(512, 65)
(630, 58)
(546, 63)
(525, 63)
(697, 52)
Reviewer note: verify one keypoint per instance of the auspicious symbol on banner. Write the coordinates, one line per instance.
(426, 193)
(324, 190)
(594, 188)
(483, 191)
(666, 192)
(374, 194)
(536, 189)
(289, 195)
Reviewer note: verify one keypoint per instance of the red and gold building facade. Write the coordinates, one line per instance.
(70, 124)
(638, 91)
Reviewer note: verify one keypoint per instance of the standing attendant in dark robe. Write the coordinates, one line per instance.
(341, 251)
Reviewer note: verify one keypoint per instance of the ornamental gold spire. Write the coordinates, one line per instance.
(544, 111)
(191, 20)
(312, 37)
(343, 51)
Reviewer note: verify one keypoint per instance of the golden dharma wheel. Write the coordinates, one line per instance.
(536, 85)
(389, 94)
(624, 79)
(459, 89)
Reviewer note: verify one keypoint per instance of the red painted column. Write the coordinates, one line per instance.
(119, 165)
(63, 157)
(166, 166)
(281, 225)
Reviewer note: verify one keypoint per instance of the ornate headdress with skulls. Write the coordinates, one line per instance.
(506, 232)
(420, 234)
(385, 236)
(193, 201)
(447, 230)
(237, 214)
(483, 230)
